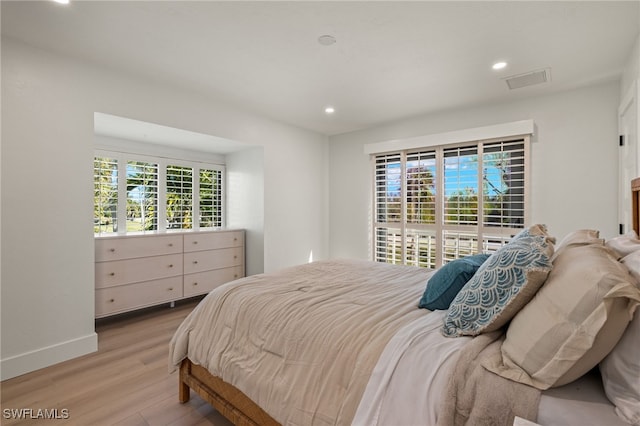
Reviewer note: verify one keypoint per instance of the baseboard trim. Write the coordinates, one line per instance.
(27, 362)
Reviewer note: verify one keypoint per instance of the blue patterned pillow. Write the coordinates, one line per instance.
(501, 287)
(448, 280)
(537, 229)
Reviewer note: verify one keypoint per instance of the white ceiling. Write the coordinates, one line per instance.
(392, 59)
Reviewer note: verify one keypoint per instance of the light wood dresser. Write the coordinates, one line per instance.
(137, 271)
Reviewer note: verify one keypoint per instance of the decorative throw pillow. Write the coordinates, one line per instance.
(573, 322)
(444, 285)
(501, 287)
(620, 372)
(624, 244)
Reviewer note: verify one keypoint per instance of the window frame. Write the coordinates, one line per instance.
(440, 227)
(123, 158)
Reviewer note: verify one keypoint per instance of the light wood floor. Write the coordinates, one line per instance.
(125, 383)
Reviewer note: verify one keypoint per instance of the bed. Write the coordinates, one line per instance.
(344, 342)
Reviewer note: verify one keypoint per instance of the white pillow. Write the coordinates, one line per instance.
(578, 238)
(625, 244)
(573, 322)
(632, 262)
(621, 373)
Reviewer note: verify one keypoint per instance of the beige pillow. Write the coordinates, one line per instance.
(577, 238)
(621, 373)
(632, 262)
(574, 320)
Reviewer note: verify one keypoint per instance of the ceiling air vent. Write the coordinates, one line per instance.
(529, 78)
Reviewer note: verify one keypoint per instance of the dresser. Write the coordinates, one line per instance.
(136, 271)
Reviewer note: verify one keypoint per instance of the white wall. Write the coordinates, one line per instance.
(48, 102)
(574, 163)
(245, 203)
(632, 69)
(629, 94)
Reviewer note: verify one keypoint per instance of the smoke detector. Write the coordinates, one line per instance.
(529, 78)
(326, 40)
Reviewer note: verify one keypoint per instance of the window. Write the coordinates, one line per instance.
(179, 197)
(105, 194)
(149, 194)
(441, 203)
(210, 201)
(142, 196)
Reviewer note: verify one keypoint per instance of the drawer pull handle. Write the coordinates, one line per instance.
(195, 283)
(195, 242)
(235, 256)
(112, 300)
(235, 239)
(235, 275)
(112, 250)
(170, 288)
(170, 244)
(195, 262)
(111, 274)
(171, 265)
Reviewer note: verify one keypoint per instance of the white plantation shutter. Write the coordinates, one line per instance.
(461, 170)
(421, 190)
(389, 245)
(179, 204)
(506, 158)
(388, 188)
(420, 205)
(142, 196)
(210, 198)
(134, 193)
(105, 189)
(439, 204)
(420, 248)
(388, 209)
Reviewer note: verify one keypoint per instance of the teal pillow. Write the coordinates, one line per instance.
(506, 282)
(444, 285)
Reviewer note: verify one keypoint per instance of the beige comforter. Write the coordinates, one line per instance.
(302, 342)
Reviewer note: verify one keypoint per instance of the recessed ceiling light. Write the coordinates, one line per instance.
(62, 1)
(326, 40)
(329, 110)
(499, 65)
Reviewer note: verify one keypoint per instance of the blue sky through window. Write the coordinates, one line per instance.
(460, 173)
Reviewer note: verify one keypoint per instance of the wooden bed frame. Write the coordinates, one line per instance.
(227, 399)
(635, 204)
(242, 411)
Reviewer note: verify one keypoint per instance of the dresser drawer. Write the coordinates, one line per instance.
(128, 271)
(130, 247)
(213, 240)
(126, 297)
(204, 282)
(199, 261)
